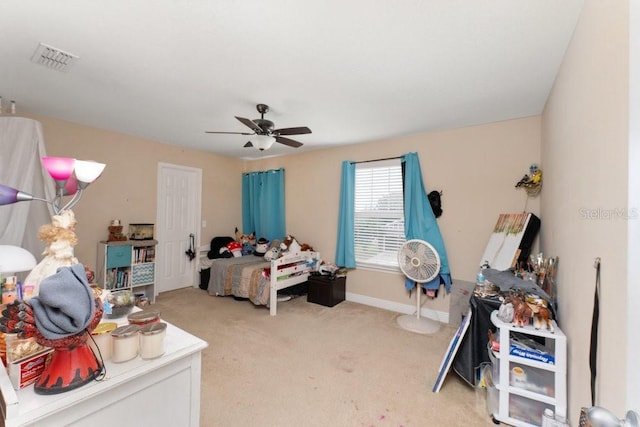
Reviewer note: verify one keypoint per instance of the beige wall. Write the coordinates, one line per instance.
(475, 167)
(633, 266)
(127, 188)
(584, 204)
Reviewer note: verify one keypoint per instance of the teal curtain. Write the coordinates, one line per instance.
(419, 220)
(345, 248)
(263, 208)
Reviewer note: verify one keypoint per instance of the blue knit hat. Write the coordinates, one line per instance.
(65, 304)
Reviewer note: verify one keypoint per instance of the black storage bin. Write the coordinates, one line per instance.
(205, 275)
(326, 290)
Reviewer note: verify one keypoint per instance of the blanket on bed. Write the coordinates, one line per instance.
(224, 270)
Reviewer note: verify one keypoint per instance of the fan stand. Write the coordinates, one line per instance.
(418, 324)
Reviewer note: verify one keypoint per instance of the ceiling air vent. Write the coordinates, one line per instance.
(52, 57)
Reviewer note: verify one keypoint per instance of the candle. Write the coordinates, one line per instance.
(125, 343)
(152, 340)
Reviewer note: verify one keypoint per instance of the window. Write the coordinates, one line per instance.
(379, 214)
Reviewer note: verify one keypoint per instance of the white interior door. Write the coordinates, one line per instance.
(179, 205)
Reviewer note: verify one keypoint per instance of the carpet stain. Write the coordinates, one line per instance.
(347, 361)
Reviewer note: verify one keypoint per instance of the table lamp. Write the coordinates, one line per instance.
(14, 259)
(72, 362)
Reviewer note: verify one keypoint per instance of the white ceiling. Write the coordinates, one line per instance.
(351, 70)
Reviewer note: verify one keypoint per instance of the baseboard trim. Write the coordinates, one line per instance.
(440, 316)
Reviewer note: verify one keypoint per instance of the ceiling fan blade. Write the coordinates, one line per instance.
(248, 144)
(288, 141)
(249, 123)
(230, 133)
(293, 131)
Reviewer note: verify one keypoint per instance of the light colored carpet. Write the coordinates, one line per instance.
(350, 365)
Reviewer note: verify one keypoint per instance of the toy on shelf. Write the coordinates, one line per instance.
(530, 309)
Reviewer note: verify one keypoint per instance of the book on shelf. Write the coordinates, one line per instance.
(144, 254)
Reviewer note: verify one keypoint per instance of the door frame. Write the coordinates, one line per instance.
(197, 220)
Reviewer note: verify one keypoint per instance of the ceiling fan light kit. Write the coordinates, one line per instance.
(262, 142)
(264, 134)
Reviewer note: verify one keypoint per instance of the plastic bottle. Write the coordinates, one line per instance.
(480, 276)
(9, 293)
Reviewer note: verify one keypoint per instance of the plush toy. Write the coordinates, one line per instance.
(273, 253)
(235, 248)
(306, 247)
(247, 248)
(115, 234)
(290, 244)
(245, 238)
(262, 246)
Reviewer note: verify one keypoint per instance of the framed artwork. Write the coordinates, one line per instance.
(510, 240)
(451, 351)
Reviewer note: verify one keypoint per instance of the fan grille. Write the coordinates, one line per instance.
(419, 261)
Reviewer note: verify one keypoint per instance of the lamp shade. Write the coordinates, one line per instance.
(60, 168)
(14, 259)
(262, 142)
(88, 171)
(71, 186)
(10, 195)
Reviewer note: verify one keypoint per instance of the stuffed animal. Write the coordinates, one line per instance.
(115, 233)
(235, 248)
(306, 247)
(245, 238)
(290, 244)
(218, 247)
(247, 248)
(262, 246)
(273, 253)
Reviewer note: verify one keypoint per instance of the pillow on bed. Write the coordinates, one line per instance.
(218, 248)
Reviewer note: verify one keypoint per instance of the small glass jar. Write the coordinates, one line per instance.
(144, 317)
(125, 343)
(152, 340)
(102, 342)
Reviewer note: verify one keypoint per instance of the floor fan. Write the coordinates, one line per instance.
(420, 262)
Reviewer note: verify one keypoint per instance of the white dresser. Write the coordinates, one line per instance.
(159, 392)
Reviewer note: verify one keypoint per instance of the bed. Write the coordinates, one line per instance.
(258, 280)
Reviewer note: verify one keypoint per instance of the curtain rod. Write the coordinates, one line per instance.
(376, 160)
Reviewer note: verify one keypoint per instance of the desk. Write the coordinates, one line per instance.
(163, 391)
(473, 348)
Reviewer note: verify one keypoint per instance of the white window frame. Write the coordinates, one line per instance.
(372, 187)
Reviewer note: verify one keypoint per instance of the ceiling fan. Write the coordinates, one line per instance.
(265, 134)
